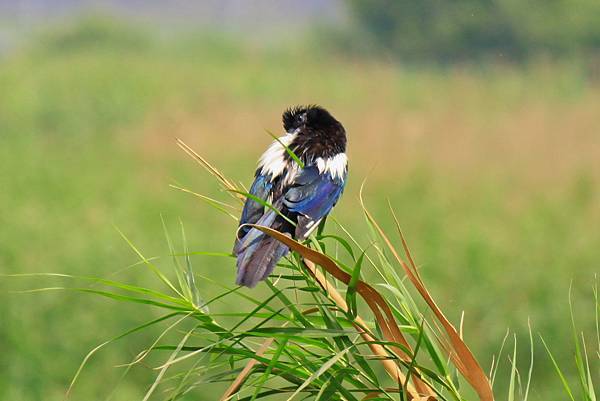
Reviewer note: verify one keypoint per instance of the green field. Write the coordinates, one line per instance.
(493, 171)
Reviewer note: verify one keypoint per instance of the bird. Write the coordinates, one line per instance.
(302, 175)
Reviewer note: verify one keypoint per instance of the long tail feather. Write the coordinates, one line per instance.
(257, 261)
(257, 253)
(253, 235)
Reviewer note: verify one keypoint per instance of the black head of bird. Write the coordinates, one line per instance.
(304, 194)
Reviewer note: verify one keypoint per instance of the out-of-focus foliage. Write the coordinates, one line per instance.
(92, 34)
(459, 30)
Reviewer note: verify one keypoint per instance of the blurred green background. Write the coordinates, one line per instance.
(478, 120)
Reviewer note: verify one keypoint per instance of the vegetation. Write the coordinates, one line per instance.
(493, 174)
(469, 29)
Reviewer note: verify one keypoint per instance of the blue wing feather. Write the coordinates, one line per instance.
(253, 211)
(313, 195)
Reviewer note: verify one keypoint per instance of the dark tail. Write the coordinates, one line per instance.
(257, 253)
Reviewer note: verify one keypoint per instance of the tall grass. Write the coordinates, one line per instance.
(306, 338)
(323, 333)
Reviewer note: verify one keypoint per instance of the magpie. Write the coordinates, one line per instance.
(302, 193)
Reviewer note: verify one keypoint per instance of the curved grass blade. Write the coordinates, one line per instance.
(218, 205)
(288, 150)
(146, 261)
(97, 348)
(166, 365)
(319, 372)
(558, 371)
(351, 290)
(264, 203)
(274, 359)
(530, 372)
(345, 244)
(225, 183)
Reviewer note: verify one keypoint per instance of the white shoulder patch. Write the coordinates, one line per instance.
(336, 165)
(273, 160)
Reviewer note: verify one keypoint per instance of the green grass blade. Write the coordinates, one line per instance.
(558, 371)
(220, 206)
(190, 281)
(290, 305)
(345, 244)
(166, 366)
(351, 290)
(513, 373)
(530, 372)
(319, 372)
(153, 268)
(579, 358)
(288, 150)
(264, 203)
(274, 359)
(590, 391)
(97, 348)
(494, 367)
